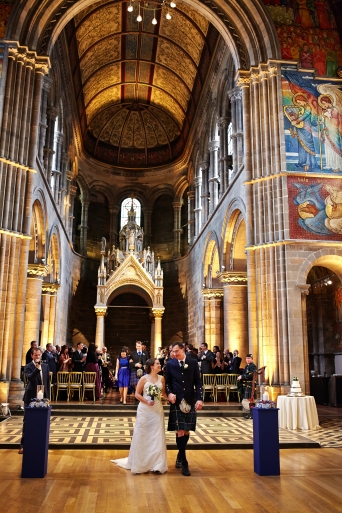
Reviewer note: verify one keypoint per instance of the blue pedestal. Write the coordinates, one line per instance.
(266, 441)
(36, 442)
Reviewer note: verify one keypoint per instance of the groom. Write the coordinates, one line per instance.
(183, 384)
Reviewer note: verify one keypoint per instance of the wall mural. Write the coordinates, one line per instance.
(315, 208)
(307, 34)
(313, 123)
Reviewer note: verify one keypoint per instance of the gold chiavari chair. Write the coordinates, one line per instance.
(75, 383)
(208, 384)
(52, 386)
(222, 385)
(89, 383)
(232, 380)
(62, 383)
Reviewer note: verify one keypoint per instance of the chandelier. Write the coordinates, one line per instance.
(153, 5)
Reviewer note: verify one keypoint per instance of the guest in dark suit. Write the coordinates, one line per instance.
(244, 381)
(79, 359)
(37, 373)
(137, 361)
(51, 359)
(206, 358)
(183, 384)
(28, 358)
(146, 351)
(235, 362)
(106, 363)
(190, 352)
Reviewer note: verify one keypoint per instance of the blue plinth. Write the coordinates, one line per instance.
(36, 442)
(266, 441)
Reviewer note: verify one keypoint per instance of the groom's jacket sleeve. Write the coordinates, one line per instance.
(198, 384)
(168, 380)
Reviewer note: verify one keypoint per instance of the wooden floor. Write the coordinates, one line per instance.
(221, 481)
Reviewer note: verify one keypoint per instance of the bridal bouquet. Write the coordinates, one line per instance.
(154, 392)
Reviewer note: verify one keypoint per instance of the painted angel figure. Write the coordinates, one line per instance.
(332, 132)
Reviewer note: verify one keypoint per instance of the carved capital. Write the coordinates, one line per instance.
(244, 81)
(158, 312)
(223, 122)
(304, 288)
(52, 112)
(233, 278)
(212, 293)
(204, 165)
(213, 146)
(100, 311)
(73, 190)
(51, 288)
(40, 270)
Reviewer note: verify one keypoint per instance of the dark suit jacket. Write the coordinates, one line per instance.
(192, 355)
(184, 383)
(206, 362)
(28, 357)
(77, 361)
(248, 372)
(33, 379)
(235, 365)
(138, 359)
(50, 359)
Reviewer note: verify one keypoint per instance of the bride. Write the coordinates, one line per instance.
(151, 456)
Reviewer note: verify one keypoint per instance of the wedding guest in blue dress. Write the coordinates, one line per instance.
(122, 374)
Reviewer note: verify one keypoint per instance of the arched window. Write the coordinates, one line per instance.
(126, 207)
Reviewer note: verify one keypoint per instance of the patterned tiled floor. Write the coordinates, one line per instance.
(117, 432)
(330, 435)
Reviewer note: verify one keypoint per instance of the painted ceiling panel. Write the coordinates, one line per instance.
(137, 81)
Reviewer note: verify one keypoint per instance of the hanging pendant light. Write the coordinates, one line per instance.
(154, 21)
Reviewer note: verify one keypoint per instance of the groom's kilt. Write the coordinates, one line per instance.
(179, 421)
(134, 379)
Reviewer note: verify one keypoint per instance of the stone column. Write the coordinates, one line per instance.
(198, 208)
(157, 342)
(214, 180)
(223, 161)
(213, 328)
(100, 315)
(84, 227)
(152, 319)
(232, 97)
(235, 311)
(147, 226)
(49, 303)
(177, 230)
(113, 228)
(191, 215)
(304, 290)
(205, 192)
(43, 125)
(35, 275)
(72, 194)
(52, 114)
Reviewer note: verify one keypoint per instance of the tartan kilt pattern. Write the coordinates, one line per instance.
(134, 380)
(179, 421)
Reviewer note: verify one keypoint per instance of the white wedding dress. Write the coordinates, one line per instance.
(148, 446)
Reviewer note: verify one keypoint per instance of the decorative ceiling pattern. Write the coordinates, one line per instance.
(138, 84)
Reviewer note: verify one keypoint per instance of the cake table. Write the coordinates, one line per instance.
(297, 412)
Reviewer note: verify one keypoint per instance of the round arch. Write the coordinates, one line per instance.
(53, 256)
(211, 265)
(130, 289)
(37, 249)
(248, 31)
(328, 257)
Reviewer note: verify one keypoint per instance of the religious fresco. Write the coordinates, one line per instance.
(315, 208)
(6, 7)
(307, 34)
(313, 123)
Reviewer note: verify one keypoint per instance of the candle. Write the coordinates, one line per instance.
(265, 396)
(40, 394)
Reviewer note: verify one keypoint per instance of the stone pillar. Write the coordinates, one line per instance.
(304, 289)
(84, 227)
(72, 194)
(213, 326)
(191, 215)
(52, 114)
(223, 161)
(214, 180)
(49, 304)
(147, 226)
(113, 228)
(205, 192)
(35, 275)
(198, 208)
(43, 125)
(157, 341)
(100, 315)
(235, 311)
(177, 230)
(152, 319)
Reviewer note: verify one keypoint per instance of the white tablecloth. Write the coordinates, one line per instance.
(297, 412)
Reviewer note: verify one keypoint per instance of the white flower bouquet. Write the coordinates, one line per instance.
(39, 403)
(154, 392)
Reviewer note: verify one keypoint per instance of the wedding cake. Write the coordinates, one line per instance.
(295, 389)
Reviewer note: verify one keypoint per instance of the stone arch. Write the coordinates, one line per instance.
(248, 32)
(37, 249)
(180, 187)
(105, 190)
(84, 188)
(211, 261)
(235, 210)
(329, 257)
(53, 256)
(160, 191)
(135, 289)
(137, 192)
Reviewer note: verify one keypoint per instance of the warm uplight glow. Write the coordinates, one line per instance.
(168, 16)
(130, 8)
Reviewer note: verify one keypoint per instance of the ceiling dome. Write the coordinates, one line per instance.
(138, 84)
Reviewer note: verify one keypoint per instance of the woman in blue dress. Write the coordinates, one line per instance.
(122, 374)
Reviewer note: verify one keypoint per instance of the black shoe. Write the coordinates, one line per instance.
(185, 470)
(179, 464)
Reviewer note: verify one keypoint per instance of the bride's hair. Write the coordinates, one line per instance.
(149, 364)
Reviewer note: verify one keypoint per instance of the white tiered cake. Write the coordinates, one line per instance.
(295, 389)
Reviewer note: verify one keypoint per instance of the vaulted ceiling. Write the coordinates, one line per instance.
(138, 84)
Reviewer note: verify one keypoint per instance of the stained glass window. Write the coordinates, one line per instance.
(126, 207)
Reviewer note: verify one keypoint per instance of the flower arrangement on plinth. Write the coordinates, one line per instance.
(39, 403)
(295, 378)
(154, 392)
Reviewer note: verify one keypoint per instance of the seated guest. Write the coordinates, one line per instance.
(79, 358)
(235, 362)
(244, 381)
(218, 364)
(92, 365)
(65, 360)
(28, 357)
